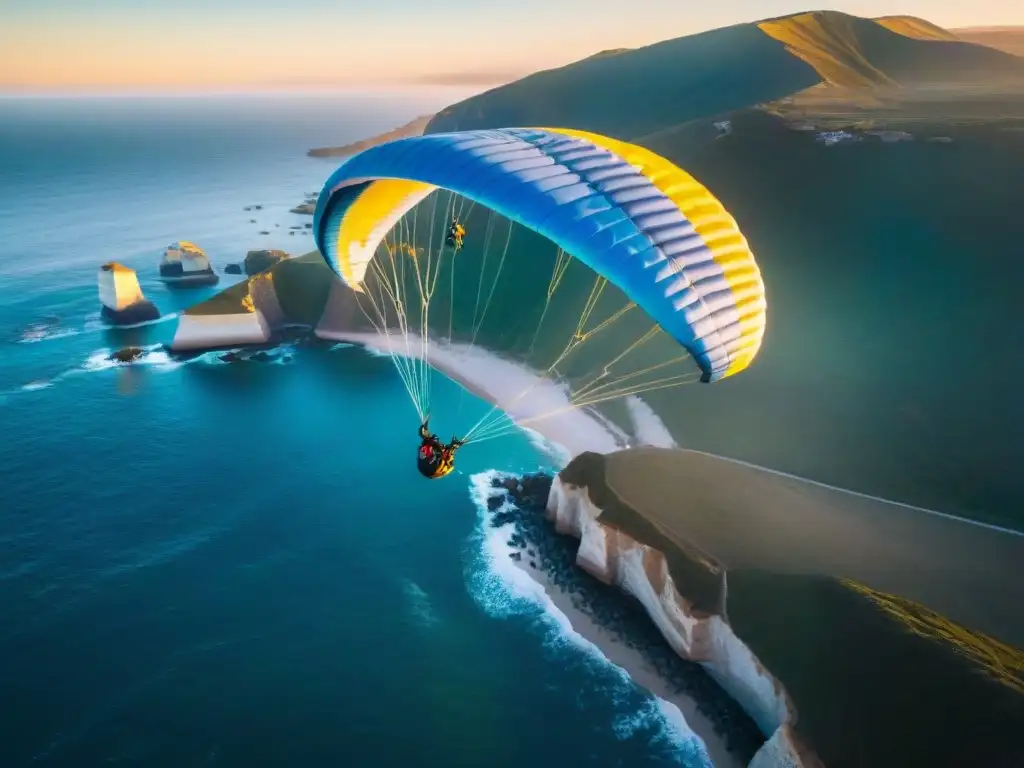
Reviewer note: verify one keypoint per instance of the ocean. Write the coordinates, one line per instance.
(237, 564)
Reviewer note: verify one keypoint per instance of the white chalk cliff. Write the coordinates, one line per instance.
(121, 296)
(218, 331)
(249, 318)
(615, 558)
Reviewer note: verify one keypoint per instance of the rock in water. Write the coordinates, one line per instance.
(185, 265)
(233, 269)
(262, 260)
(127, 355)
(121, 296)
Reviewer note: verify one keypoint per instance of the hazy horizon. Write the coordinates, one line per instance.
(112, 45)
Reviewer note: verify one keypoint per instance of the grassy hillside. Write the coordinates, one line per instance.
(911, 26)
(852, 52)
(635, 92)
(881, 681)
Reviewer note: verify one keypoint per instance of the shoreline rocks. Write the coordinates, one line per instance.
(522, 501)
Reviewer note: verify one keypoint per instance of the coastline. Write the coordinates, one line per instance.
(632, 662)
(535, 561)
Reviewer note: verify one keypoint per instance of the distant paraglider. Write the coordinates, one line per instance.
(636, 220)
(455, 234)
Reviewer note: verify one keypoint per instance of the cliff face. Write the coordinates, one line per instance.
(197, 332)
(643, 571)
(833, 671)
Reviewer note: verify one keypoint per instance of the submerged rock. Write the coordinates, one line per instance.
(127, 355)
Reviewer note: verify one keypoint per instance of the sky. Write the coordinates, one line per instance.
(207, 44)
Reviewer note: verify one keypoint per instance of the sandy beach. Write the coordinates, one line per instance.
(634, 664)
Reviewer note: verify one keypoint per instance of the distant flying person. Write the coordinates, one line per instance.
(455, 234)
(435, 459)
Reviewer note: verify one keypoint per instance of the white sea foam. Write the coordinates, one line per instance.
(502, 589)
(420, 605)
(93, 324)
(153, 356)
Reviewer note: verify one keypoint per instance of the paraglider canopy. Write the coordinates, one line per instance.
(640, 223)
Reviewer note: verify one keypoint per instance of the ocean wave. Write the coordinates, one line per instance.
(34, 336)
(36, 333)
(502, 590)
(154, 356)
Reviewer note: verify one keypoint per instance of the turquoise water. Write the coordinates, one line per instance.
(205, 563)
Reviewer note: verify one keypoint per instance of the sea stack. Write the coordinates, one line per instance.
(262, 260)
(184, 265)
(121, 296)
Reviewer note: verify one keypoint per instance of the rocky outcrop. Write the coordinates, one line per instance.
(291, 292)
(233, 269)
(412, 128)
(185, 265)
(262, 260)
(122, 298)
(691, 620)
(229, 319)
(263, 291)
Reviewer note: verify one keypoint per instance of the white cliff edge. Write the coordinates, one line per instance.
(121, 296)
(642, 571)
(258, 315)
(217, 331)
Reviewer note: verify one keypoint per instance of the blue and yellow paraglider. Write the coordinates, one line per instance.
(637, 220)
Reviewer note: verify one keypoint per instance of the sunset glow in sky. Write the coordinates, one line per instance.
(206, 44)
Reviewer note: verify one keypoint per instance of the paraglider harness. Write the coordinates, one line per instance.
(435, 459)
(455, 234)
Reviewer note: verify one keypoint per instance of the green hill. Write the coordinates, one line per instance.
(631, 93)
